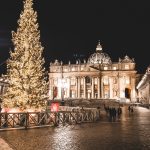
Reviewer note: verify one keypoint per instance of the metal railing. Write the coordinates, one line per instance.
(25, 120)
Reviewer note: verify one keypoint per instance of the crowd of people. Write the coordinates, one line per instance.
(113, 112)
(130, 108)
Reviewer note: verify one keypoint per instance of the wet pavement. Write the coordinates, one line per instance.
(129, 132)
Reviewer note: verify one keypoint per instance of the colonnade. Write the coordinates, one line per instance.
(77, 87)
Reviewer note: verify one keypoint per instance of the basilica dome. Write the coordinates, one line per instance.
(99, 57)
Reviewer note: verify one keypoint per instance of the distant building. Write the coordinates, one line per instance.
(96, 78)
(143, 88)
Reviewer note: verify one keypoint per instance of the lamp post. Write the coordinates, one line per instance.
(62, 94)
(62, 86)
(118, 94)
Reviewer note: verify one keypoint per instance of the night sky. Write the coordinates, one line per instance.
(74, 27)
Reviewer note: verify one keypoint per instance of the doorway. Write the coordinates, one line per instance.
(127, 93)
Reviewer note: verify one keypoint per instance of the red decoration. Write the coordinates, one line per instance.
(6, 110)
(54, 107)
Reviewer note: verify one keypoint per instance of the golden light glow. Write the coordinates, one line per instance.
(26, 75)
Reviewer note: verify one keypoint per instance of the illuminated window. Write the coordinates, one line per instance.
(114, 68)
(127, 80)
(82, 68)
(73, 68)
(65, 70)
(105, 68)
(95, 80)
(73, 94)
(126, 66)
(105, 80)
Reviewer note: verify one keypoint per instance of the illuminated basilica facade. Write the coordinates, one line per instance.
(96, 78)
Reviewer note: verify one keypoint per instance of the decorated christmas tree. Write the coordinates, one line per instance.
(26, 74)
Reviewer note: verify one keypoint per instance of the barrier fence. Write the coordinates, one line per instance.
(25, 120)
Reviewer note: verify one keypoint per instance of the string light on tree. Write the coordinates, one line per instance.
(26, 75)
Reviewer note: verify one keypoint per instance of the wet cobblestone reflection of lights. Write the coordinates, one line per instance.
(130, 132)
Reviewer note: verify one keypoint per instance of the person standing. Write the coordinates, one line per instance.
(129, 108)
(132, 109)
(119, 111)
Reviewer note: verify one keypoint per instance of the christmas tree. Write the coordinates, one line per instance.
(26, 74)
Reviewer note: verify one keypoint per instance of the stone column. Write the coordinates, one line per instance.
(98, 87)
(79, 84)
(118, 87)
(84, 83)
(101, 88)
(92, 87)
(76, 87)
(68, 87)
(68, 90)
(111, 87)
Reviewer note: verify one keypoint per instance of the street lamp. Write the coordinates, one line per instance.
(62, 93)
(62, 85)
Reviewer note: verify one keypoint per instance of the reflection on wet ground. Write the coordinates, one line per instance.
(129, 132)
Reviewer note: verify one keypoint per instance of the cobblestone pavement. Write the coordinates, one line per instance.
(130, 132)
